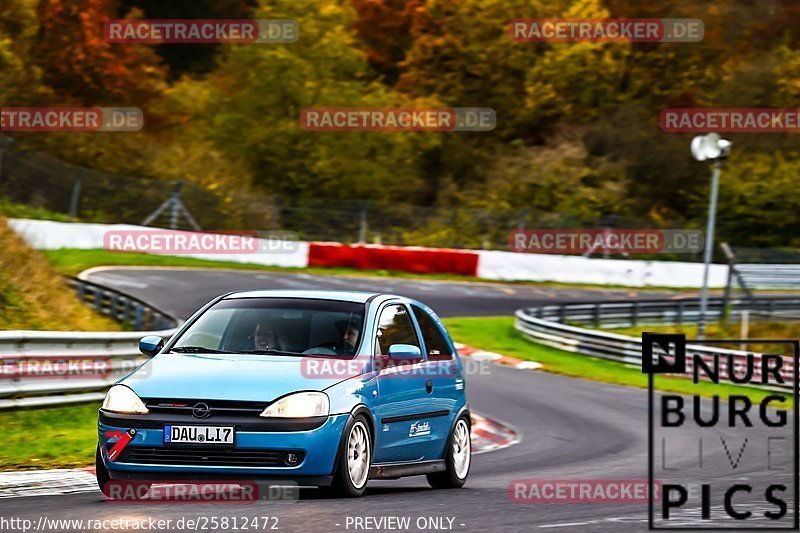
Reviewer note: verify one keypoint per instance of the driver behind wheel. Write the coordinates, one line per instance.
(265, 339)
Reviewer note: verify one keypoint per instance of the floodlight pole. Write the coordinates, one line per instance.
(712, 215)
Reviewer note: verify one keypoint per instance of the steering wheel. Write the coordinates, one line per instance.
(320, 350)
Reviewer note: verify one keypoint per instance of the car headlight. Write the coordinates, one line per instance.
(300, 405)
(121, 399)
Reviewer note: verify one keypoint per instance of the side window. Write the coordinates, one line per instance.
(395, 327)
(438, 349)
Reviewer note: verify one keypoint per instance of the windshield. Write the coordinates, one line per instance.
(290, 326)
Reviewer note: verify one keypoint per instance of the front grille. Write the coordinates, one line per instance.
(169, 455)
(217, 407)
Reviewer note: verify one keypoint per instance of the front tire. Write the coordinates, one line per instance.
(355, 460)
(101, 473)
(109, 489)
(458, 458)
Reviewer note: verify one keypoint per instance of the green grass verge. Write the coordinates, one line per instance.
(497, 334)
(48, 438)
(760, 329)
(72, 262)
(33, 295)
(14, 210)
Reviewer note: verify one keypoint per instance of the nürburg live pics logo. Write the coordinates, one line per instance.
(725, 450)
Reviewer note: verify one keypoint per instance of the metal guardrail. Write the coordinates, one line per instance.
(44, 383)
(766, 276)
(558, 326)
(122, 307)
(666, 312)
(117, 353)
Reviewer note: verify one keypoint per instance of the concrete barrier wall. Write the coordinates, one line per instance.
(48, 235)
(487, 264)
(577, 269)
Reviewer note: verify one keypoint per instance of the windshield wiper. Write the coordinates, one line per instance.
(196, 349)
(275, 352)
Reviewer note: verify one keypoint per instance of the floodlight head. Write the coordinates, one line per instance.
(725, 148)
(710, 147)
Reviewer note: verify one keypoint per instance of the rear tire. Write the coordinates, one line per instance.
(354, 460)
(457, 458)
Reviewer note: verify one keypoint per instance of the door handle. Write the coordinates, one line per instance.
(429, 386)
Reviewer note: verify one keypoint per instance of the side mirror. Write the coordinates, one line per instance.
(151, 345)
(404, 352)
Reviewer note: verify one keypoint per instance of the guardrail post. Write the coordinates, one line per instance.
(635, 317)
(126, 309)
(562, 314)
(98, 299)
(137, 319)
(112, 305)
(597, 315)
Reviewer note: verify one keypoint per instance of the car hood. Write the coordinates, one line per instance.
(256, 378)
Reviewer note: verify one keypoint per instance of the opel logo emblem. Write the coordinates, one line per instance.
(201, 410)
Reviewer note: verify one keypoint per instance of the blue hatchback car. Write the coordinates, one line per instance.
(318, 388)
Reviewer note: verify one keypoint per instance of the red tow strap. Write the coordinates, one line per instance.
(115, 452)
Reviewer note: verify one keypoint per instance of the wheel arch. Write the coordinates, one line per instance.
(464, 411)
(359, 409)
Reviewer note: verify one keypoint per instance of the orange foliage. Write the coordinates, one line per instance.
(81, 66)
(384, 26)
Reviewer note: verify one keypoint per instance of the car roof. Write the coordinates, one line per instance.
(346, 296)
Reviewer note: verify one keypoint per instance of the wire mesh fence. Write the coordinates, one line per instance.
(37, 179)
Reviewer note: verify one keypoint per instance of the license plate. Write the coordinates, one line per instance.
(198, 435)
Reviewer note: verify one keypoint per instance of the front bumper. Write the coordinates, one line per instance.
(317, 446)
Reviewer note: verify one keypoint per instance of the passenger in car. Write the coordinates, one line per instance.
(347, 344)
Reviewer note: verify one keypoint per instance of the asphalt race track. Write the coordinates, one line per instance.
(182, 292)
(569, 428)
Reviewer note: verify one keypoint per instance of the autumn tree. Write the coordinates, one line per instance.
(21, 82)
(192, 59)
(80, 65)
(384, 31)
(249, 109)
